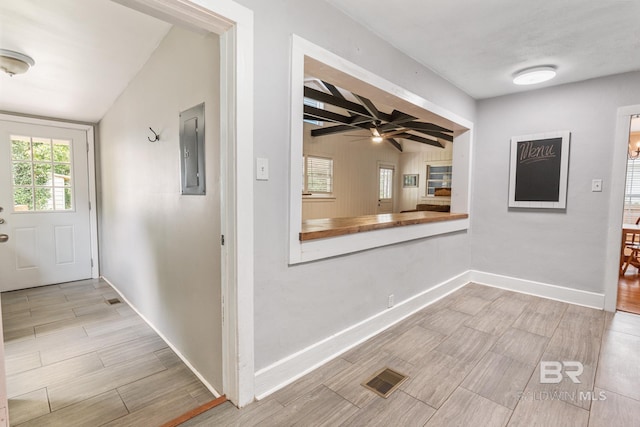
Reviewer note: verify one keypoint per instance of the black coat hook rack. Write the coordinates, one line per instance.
(156, 137)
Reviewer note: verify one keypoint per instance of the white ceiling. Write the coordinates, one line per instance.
(478, 44)
(86, 52)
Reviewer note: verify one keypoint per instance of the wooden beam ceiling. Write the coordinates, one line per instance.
(365, 115)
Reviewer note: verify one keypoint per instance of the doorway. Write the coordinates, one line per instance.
(234, 25)
(629, 280)
(47, 225)
(385, 188)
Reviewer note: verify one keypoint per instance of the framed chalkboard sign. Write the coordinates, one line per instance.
(539, 168)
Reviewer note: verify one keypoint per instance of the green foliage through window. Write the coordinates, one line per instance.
(41, 171)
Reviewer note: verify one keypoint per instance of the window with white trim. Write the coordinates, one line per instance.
(317, 175)
(41, 174)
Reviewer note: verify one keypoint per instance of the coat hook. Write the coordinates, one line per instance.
(156, 136)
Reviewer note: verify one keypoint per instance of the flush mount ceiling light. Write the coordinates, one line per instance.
(535, 75)
(14, 62)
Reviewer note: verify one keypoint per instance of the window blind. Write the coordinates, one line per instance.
(632, 191)
(319, 172)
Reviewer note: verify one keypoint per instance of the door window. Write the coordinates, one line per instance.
(41, 174)
(386, 183)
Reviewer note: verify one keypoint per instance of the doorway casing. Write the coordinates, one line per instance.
(234, 24)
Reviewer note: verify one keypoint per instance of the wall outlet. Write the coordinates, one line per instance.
(390, 301)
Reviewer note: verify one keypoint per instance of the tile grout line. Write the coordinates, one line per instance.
(595, 374)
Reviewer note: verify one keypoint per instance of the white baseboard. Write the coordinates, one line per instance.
(171, 346)
(289, 369)
(544, 290)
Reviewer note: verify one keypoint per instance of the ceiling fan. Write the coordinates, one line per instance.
(364, 115)
(377, 136)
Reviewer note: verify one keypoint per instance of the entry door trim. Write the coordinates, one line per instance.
(91, 165)
(388, 166)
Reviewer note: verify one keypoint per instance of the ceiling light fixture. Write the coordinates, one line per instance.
(376, 137)
(535, 75)
(15, 62)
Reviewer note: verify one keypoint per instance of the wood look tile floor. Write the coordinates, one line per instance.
(72, 359)
(473, 359)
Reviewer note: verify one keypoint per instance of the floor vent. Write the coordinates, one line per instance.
(385, 382)
(113, 301)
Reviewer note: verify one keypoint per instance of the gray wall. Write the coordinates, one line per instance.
(161, 249)
(564, 248)
(298, 306)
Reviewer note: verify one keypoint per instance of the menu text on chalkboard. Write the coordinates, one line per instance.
(538, 170)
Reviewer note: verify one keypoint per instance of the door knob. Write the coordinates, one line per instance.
(4, 238)
(1, 220)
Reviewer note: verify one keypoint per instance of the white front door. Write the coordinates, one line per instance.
(45, 233)
(385, 188)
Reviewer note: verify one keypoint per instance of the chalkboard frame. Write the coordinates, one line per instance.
(559, 200)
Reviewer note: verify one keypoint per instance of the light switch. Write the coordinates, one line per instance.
(262, 169)
(596, 185)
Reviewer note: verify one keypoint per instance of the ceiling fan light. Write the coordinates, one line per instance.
(15, 62)
(535, 75)
(377, 139)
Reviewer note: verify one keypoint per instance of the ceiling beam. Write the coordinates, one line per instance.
(335, 101)
(366, 116)
(331, 130)
(394, 143)
(400, 117)
(426, 126)
(358, 120)
(420, 139)
(404, 128)
(373, 111)
(319, 113)
(436, 134)
(334, 90)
